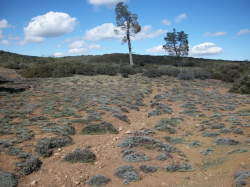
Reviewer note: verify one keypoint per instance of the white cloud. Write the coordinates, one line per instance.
(78, 51)
(5, 42)
(166, 22)
(105, 32)
(220, 33)
(243, 31)
(52, 24)
(102, 33)
(146, 32)
(94, 46)
(157, 49)
(58, 54)
(21, 42)
(1, 34)
(4, 24)
(179, 18)
(107, 3)
(205, 49)
(58, 45)
(77, 44)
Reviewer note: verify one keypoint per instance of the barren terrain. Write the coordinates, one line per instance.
(206, 128)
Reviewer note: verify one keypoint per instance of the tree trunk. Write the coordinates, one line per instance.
(129, 44)
(130, 53)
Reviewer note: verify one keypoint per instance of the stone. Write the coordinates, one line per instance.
(128, 132)
(34, 183)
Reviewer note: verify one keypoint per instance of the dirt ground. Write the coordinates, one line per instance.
(209, 97)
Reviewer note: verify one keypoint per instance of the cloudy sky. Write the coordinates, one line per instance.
(217, 29)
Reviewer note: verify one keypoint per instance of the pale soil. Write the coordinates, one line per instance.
(214, 170)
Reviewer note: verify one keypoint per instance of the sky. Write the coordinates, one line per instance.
(217, 29)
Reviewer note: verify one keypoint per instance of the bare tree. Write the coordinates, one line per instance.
(128, 22)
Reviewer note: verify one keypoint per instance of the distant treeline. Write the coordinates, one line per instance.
(236, 72)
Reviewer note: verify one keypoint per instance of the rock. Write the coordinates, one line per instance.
(34, 183)
(59, 149)
(128, 132)
(120, 128)
(76, 182)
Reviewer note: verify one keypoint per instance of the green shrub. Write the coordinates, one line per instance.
(38, 71)
(216, 75)
(152, 71)
(128, 69)
(170, 71)
(85, 69)
(105, 70)
(231, 75)
(201, 73)
(242, 86)
(186, 74)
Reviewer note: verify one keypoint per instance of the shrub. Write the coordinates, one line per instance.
(148, 169)
(225, 141)
(124, 75)
(45, 144)
(29, 164)
(135, 157)
(85, 69)
(206, 151)
(127, 172)
(98, 180)
(85, 156)
(152, 71)
(194, 144)
(210, 134)
(13, 151)
(101, 128)
(8, 179)
(216, 75)
(128, 70)
(170, 71)
(134, 141)
(231, 75)
(201, 73)
(242, 86)
(186, 74)
(38, 71)
(105, 70)
(241, 178)
(62, 71)
(64, 130)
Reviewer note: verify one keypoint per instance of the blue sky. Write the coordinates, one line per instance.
(217, 29)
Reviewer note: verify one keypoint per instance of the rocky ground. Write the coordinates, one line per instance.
(114, 131)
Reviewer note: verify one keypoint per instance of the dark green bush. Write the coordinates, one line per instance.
(128, 69)
(38, 71)
(101, 128)
(63, 71)
(85, 69)
(85, 156)
(201, 73)
(186, 74)
(105, 69)
(152, 71)
(8, 179)
(170, 71)
(231, 75)
(216, 75)
(242, 86)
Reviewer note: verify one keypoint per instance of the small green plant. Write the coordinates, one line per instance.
(243, 150)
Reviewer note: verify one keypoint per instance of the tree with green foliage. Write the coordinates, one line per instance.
(127, 22)
(177, 44)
